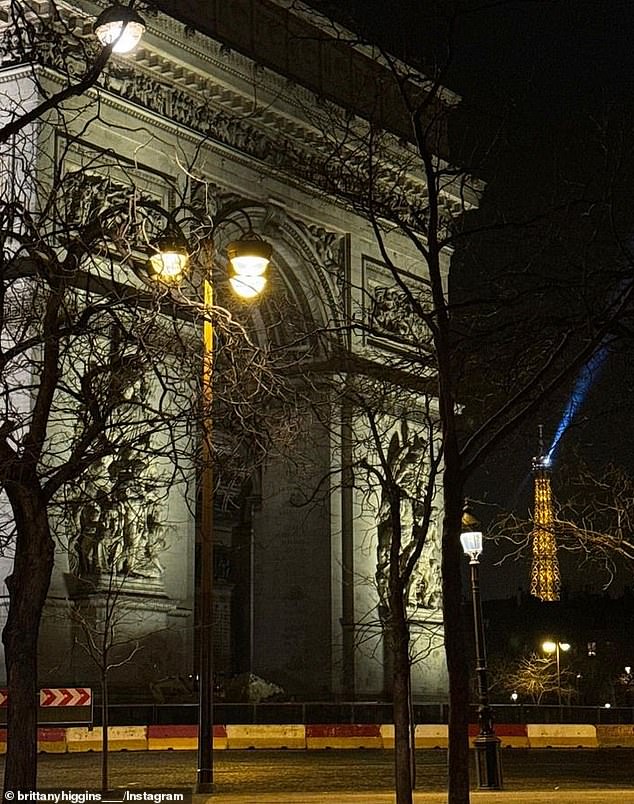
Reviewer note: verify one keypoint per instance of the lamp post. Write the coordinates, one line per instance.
(487, 744)
(555, 647)
(249, 258)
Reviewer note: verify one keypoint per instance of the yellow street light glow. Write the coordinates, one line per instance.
(551, 647)
(169, 261)
(248, 287)
(120, 27)
(249, 257)
(249, 260)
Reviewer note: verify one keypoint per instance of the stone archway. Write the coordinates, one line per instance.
(280, 547)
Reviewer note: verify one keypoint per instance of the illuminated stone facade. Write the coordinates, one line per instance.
(241, 98)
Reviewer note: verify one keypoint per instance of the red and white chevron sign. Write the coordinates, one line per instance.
(3, 697)
(66, 696)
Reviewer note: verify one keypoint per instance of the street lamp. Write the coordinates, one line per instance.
(555, 647)
(168, 263)
(487, 744)
(121, 27)
(249, 258)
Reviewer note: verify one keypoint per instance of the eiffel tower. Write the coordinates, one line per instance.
(545, 577)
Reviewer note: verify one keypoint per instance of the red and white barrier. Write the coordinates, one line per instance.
(343, 735)
(321, 736)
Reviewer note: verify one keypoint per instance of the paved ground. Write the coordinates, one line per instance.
(580, 776)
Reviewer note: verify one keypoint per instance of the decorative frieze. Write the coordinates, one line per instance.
(195, 99)
(392, 312)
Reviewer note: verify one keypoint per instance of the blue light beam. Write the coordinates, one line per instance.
(587, 376)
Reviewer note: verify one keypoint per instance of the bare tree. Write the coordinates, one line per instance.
(399, 466)
(408, 190)
(104, 636)
(533, 677)
(98, 363)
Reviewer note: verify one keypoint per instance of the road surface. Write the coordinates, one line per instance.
(325, 775)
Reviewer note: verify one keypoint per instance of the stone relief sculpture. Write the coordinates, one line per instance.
(428, 583)
(406, 455)
(119, 518)
(119, 507)
(391, 316)
(326, 244)
(89, 195)
(194, 110)
(90, 523)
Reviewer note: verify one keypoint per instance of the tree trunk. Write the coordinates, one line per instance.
(33, 565)
(453, 614)
(104, 732)
(401, 699)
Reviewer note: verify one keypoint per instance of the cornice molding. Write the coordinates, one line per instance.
(189, 79)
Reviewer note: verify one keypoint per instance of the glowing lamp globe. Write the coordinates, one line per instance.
(169, 261)
(471, 542)
(120, 27)
(249, 260)
(247, 287)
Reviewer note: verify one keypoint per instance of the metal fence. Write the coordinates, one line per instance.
(352, 712)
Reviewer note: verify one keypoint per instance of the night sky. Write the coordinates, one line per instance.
(553, 58)
(547, 69)
(558, 66)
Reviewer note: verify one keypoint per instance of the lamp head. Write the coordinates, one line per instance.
(469, 520)
(471, 542)
(169, 259)
(119, 26)
(249, 260)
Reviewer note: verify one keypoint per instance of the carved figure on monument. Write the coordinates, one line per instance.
(90, 544)
(91, 520)
(118, 519)
(428, 583)
(127, 472)
(326, 244)
(392, 316)
(88, 195)
(405, 456)
(155, 542)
